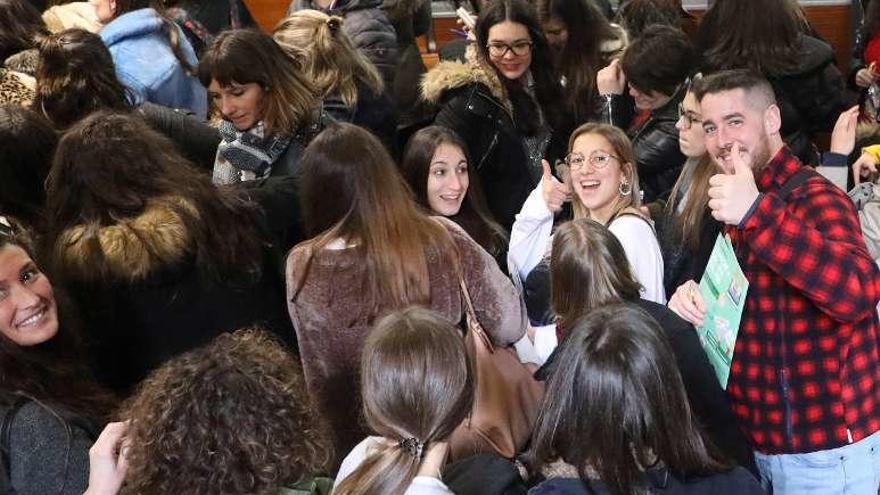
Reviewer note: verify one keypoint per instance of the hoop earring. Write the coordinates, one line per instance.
(625, 188)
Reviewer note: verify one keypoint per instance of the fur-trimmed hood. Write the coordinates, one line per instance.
(449, 75)
(131, 249)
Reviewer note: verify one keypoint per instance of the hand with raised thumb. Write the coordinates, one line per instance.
(611, 80)
(555, 193)
(731, 195)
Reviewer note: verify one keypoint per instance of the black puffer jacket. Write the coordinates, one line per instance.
(374, 112)
(473, 103)
(369, 29)
(411, 19)
(655, 142)
(810, 97)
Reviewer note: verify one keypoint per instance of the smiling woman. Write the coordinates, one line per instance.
(49, 407)
(438, 171)
(604, 187)
(506, 104)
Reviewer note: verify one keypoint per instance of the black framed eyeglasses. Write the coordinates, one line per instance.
(598, 159)
(687, 118)
(499, 49)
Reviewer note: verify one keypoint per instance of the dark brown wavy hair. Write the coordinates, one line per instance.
(55, 371)
(75, 77)
(230, 417)
(110, 166)
(417, 382)
(474, 216)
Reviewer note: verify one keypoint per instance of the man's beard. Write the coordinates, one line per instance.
(762, 155)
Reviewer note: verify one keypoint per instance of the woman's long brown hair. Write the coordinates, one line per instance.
(351, 190)
(417, 382)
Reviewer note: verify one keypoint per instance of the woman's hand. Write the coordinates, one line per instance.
(864, 167)
(687, 302)
(107, 461)
(555, 193)
(866, 77)
(611, 80)
(843, 137)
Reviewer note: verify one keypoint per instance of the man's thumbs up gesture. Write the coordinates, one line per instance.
(732, 195)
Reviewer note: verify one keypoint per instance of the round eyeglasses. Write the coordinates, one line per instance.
(598, 159)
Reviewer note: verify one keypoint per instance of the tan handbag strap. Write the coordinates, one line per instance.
(471, 315)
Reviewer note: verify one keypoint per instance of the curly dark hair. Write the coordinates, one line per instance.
(230, 417)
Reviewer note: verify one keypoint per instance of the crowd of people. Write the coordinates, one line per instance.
(300, 262)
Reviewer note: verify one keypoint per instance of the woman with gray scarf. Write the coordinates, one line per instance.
(270, 111)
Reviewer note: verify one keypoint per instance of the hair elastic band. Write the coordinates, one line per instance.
(412, 446)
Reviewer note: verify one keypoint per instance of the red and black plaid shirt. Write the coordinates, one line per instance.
(806, 369)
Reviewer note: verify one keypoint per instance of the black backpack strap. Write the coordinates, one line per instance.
(794, 181)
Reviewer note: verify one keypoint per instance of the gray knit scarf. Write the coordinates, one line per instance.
(246, 155)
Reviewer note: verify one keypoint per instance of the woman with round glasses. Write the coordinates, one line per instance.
(506, 104)
(600, 177)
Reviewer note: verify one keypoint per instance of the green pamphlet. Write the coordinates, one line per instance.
(724, 288)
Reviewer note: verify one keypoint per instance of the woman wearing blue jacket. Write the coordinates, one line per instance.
(153, 58)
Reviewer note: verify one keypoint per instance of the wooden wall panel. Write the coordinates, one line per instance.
(267, 13)
(832, 22)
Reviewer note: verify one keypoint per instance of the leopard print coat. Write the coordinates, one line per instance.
(16, 88)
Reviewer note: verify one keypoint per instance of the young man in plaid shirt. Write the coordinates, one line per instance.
(805, 377)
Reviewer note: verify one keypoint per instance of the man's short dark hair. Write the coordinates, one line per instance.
(755, 85)
(659, 60)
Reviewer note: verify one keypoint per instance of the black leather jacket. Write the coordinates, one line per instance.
(495, 147)
(655, 142)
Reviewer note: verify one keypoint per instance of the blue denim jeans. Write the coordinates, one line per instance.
(849, 470)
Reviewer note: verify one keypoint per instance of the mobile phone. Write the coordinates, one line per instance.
(466, 17)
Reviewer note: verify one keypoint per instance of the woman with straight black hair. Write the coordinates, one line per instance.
(506, 104)
(616, 420)
(436, 166)
(160, 259)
